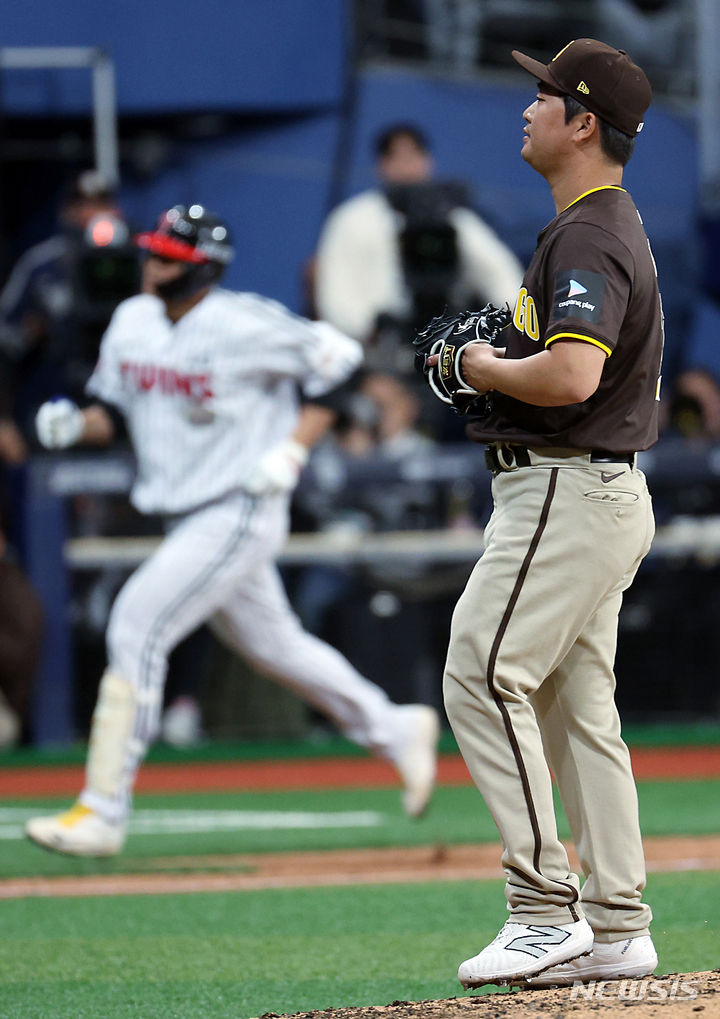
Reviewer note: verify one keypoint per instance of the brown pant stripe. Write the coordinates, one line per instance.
(512, 738)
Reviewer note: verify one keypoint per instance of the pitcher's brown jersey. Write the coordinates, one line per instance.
(592, 279)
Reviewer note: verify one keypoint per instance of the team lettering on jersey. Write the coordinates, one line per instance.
(525, 317)
(146, 377)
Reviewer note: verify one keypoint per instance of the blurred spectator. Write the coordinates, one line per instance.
(54, 308)
(61, 294)
(379, 424)
(21, 624)
(695, 408)
(398, 411)
(326, 505)
(21, 619)
(694, 404)
(13, 449)
(391, 257)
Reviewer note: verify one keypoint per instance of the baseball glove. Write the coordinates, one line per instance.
(448, 335)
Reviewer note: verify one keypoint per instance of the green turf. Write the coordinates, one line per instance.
(240, 955)
(656, 734)
(672, 734)
(243, 954)
(457, 815)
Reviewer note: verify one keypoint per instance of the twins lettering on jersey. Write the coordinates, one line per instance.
(147, 377)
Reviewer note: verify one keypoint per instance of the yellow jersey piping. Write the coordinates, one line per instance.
(579, 336)
(603, 187)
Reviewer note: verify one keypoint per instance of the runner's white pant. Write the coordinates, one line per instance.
(218, 565)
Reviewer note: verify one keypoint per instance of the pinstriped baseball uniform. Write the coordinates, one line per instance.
(529, 677)
(204, 398)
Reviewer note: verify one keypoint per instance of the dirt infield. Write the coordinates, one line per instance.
(664, 996)
(325, 773)
(252, 872)
(673, 996)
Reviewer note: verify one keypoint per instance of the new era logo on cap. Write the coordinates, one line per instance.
(610, 84)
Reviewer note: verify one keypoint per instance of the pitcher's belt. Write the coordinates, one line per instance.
(505, 456)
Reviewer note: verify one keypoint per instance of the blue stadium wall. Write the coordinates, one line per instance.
(184, 54)
(302, 140)
(276, 182)
(281, 64)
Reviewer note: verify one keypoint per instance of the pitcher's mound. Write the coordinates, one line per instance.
(672, 996)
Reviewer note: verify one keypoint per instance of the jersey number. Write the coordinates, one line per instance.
(525, 317)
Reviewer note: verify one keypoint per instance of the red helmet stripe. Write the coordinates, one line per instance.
(169, 247)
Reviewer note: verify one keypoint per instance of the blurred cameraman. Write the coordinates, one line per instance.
(60, 296)
(392, 257)
(54, 308)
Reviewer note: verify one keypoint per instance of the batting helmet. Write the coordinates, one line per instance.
(194, 236)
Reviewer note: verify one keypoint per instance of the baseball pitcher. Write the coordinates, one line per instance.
(570, 382)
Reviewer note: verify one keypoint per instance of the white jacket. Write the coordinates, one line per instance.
(359, 272)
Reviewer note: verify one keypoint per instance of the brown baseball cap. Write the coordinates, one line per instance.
(603, 79)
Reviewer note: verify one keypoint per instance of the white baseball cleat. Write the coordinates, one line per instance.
(78, 832)
(417, 762)
(521, 950)
(634, 957)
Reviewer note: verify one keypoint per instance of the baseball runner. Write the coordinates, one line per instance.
(529, 676)
(207, 381)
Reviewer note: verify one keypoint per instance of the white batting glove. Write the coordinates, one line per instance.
(59, 423)
(278, 470)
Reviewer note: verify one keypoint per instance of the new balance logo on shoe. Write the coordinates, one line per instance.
(521, 950)
(539, 941)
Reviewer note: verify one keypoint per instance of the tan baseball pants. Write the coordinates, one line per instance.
(529, 686)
